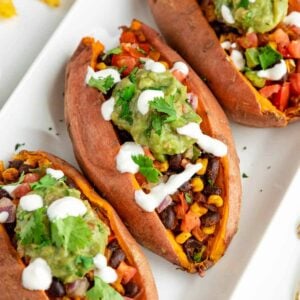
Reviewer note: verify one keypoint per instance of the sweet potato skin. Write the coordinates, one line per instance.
(96, 145)
(187, 30)
(13, 266)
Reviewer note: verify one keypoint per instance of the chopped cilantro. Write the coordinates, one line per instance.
(244, 175)
(122, 69)
(132, 75)
(86, 262)
(18, 145)
(116, 50)
(124, 97)
(188, 198)
(156, 123)
(210, 182)
(102, 84)
(197, 257)
(45, 182)
(102, 291)
(268, 56)
(244, 3)
(146, 167)
(71, 233)
(165, 106)
(141, 50)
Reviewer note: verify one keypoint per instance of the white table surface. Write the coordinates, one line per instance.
(21, 40)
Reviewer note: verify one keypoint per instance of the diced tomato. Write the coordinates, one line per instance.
(128, 37)
(132, 50)
(189, 222)
(294, 49)
(145, 46)
(269, 90)
(21, 190)
(125, 272)
(31, 177)
(182, 207)
(140, 178)
(248, 41)
(294, 79)
(294, 5)
(281, 99)
(297, 66)
(179, 75)
(122, 60)
(280, 37)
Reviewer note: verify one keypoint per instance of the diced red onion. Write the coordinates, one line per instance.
(77, 288)
(164, 204)
(7, 205)
(193, 100)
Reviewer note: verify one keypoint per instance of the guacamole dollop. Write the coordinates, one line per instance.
(157, 128)
(68, 245)
(258, 15)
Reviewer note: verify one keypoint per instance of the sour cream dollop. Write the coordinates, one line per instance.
(238, 59)
(181, 67)
(124, 160)
(57, 174)
(145, 97)
(207, 143)
(153, 66)
(100, 261)
(226, 14)
(106, 273)
(3, 216)
(150, 201)
(31, 202)
(102, 74)
(66, 207)
(107, 108)
(37, 275)
(292, 19)
(275, 73)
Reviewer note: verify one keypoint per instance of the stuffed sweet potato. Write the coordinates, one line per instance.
(248, 52)
(60, 240)
(133, 115)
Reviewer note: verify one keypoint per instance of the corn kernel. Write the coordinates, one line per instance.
(290, 65)
(182, 237)
(164, 63)
(204, 162)
(198, 210)
(209, 229)
(101, 66)
(162, 166)
(197, 184)
(273, 45)
(215, 200)
(135, 25)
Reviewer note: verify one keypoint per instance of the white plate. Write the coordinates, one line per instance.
(270, 160)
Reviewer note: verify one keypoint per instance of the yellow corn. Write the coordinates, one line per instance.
(290, 65)
(101, 66)
(198, 210)
(182, 237)
(197, 184)
(53, 3)
(204, 162)
(209, 229)
(273, 45)
(162, 166)
(215, 200)
(164, 63)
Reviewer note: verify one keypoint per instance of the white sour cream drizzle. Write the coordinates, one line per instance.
(207, 143)
(31, 202)
(106, 273)
(57, 174)
(124, 160)
(150, 201)
(292, 19)
(181, 67)
(37, 275)
(3, 216)
(102, 74)
(226, 45)
(226, 14)
(153, 66)
(238, 59)
(274, 73)
(145, 97)
(10, 188)
(107, 108)
(66, 207)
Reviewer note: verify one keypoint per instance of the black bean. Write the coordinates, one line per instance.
(191, 247)
(199, 197)
(211, 190)
(210, 218)
(185, 187)
(212, 170)
(210, 207)
(4, 194)
(56, 289)
(17, 163)
(116, 258)
(113, 245)
(175, 163)
(131, 289)
(124, 136)
(168, 217)
(25, 168)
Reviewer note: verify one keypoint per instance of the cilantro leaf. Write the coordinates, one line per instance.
(156, 123)
(71, 233)
(45, 182)
(116, 50)
(146, 167)
(188, 198)
(244, 3)
(268, 56)
(86, 262)
(132, 75)
(164, 106)
(102, 291)
(35, 230)
(102, 84)
(124, 97)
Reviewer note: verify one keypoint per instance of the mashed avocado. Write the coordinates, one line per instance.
(68, 245)
(157, 128)
(257, 15)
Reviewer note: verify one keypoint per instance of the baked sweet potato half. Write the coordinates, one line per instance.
(61, 240)
(247, 51)
(133, 115)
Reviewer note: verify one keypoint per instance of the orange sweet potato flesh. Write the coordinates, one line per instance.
(12, 266)
(96, 145)
(186, 29)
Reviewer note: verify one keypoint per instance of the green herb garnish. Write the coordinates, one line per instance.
(18, 145)
(45, 182)
(124, 97)
(197, 257)
(85, 261)
(244, 175)
(244, 3)
(268, 56)
(146, 167)
(116, 50)
(188, 198)
(102, 84)
(166, 106)
(132, 75)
